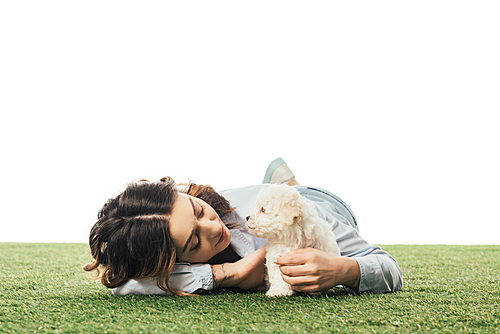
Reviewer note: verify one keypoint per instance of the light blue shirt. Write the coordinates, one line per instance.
(379, 271)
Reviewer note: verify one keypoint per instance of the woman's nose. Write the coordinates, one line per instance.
(212, 228)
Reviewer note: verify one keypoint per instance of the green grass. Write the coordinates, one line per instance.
(447, 289)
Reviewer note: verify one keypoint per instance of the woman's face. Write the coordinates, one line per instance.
(198, 232)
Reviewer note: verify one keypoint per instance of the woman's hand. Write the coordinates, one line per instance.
(246, 273)
(252, 269)
(312, 270)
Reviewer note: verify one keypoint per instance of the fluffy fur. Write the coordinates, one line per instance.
(289, 221)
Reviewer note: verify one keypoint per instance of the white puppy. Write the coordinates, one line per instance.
(289, 221)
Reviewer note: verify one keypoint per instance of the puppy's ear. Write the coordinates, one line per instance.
(289, 213)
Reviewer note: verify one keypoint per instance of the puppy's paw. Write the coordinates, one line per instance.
(276, 292)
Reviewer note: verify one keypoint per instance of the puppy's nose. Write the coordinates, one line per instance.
(248, 218)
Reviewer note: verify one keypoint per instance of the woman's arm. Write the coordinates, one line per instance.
(246, 273)
(380, 272)
(362, 267)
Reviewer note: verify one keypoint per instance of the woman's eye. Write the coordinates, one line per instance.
(198, 245)
(202, 211)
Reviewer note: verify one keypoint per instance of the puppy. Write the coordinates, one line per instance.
(289, 221)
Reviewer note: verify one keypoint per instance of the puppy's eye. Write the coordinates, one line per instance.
(263, 210)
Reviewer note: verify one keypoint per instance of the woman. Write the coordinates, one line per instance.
(155, 239)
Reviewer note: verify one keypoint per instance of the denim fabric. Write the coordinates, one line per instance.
(330, 203)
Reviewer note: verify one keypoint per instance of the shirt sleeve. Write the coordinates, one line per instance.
(186, 277)
(379, 271)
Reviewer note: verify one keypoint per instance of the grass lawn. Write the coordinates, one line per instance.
(446, 289)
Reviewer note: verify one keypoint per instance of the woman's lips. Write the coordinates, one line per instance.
(222, 236)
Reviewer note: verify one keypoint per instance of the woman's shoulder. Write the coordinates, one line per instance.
(327, 204)
(249, 192)
(243, 191)
(246, 196)
(243, 199)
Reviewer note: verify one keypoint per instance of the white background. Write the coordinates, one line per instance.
(393, 106)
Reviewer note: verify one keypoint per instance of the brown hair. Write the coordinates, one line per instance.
(131, 238)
